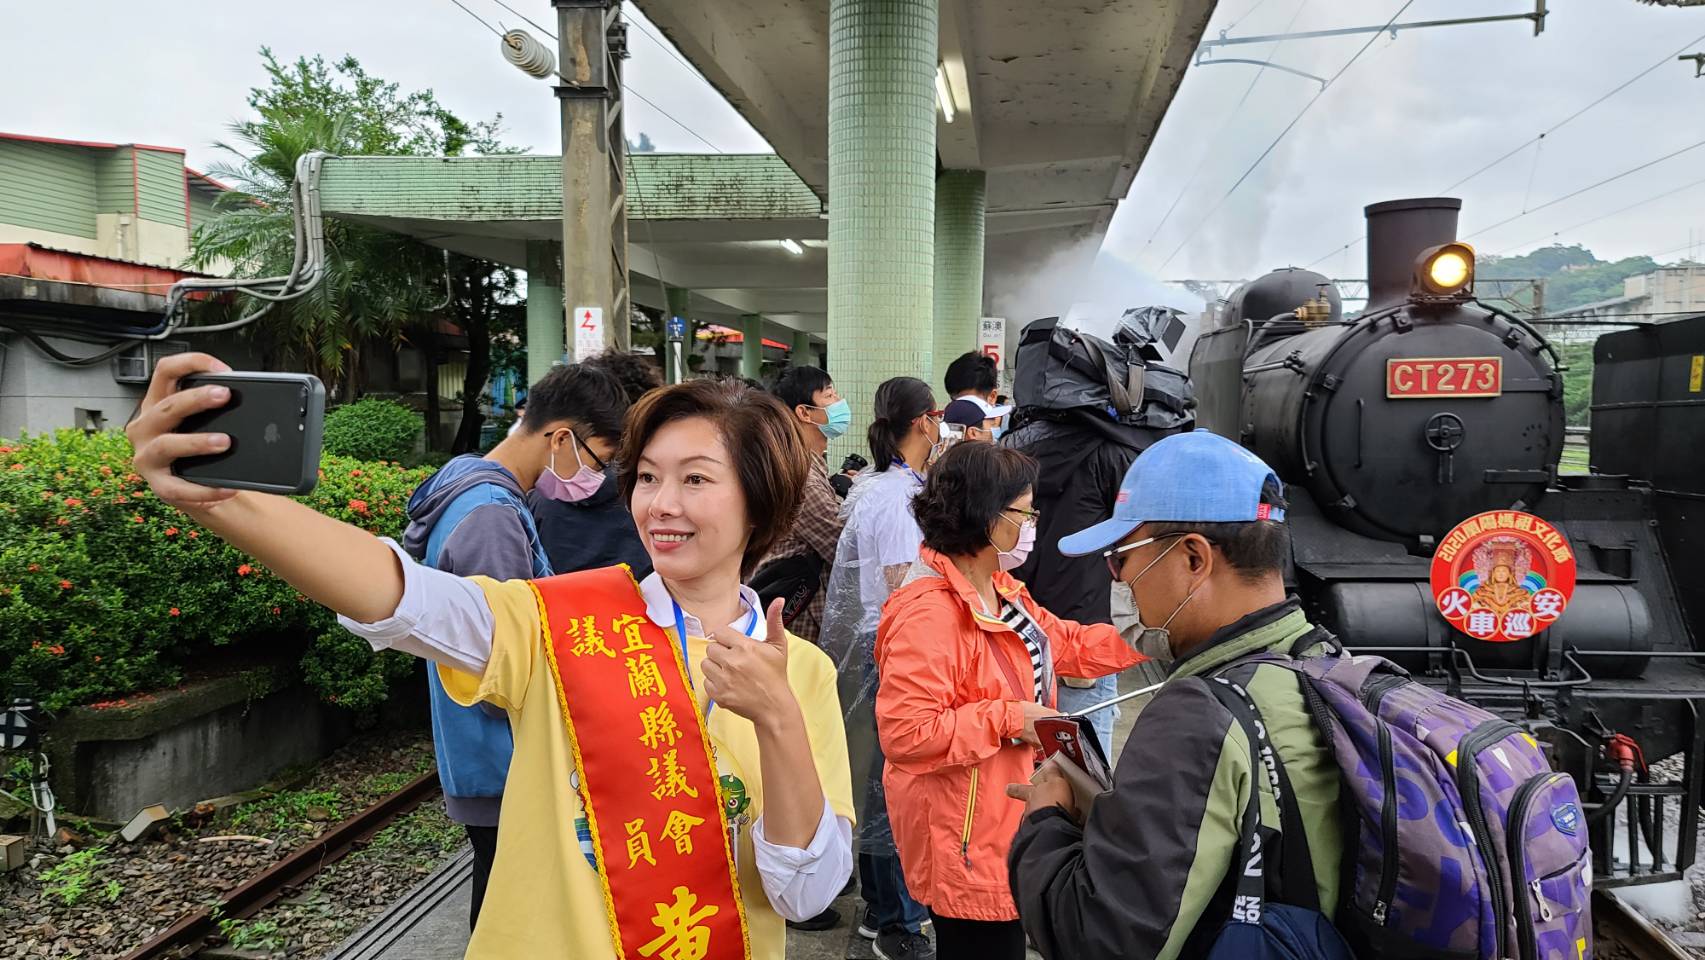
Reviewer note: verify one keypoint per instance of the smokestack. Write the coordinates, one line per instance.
(1398, 230)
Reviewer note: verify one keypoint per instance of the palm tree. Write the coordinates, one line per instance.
(375, 283)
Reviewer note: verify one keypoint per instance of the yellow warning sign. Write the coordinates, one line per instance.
(1696, 375)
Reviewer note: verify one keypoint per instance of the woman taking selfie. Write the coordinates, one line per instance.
(968, 663)
(679, 783)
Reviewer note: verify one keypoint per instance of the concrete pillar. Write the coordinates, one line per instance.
(959, 210)
(802, 355)
(882, 58)
(679, 306)
(752, 346)
(546, 326)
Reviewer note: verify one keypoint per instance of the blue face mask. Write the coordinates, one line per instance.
(995, 433)
(840, 417)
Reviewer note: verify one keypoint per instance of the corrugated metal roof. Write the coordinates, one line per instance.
(661, 186)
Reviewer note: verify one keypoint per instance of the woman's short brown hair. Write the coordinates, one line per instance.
(968, 488)
(769, 457)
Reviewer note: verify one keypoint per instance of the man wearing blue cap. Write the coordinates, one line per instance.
(1196, 552)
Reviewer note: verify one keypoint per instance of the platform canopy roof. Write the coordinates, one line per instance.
(1057, 101)
(712, 224)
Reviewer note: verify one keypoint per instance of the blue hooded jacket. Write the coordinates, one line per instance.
(471, 518)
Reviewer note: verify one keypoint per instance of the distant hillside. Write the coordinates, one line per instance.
(1573, 276)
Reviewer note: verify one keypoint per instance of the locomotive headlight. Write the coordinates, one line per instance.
(1446, 270)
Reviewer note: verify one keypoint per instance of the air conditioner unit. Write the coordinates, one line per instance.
(136, 365)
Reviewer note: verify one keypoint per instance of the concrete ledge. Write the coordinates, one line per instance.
(182, 745)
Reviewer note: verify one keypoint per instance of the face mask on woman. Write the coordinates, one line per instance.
(1014, 558)
(584, 483)
(946, 435)
(840, 417)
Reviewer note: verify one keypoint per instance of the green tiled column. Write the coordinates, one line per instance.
(802, 355)
(546, 323)
(752, 346)
(882, 58)
(959, 209)
(679, 306)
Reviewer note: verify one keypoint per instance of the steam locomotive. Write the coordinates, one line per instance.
(1430, 407)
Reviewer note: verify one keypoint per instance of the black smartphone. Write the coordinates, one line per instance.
(274, 421)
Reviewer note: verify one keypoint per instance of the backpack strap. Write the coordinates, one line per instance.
(1297, 884)
(1250, 889)
(1319, 635)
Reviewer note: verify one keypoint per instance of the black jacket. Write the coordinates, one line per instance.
(1084, 457)
(591, 533)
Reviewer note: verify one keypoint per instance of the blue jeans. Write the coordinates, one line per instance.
(1106, 688)
(880, 878)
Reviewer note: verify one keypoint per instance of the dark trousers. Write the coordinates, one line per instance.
(977, 939)
(484, 840)
(884, 889)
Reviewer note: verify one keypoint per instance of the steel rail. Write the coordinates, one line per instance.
(182, 938)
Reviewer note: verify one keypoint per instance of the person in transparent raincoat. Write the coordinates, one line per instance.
(878, 547)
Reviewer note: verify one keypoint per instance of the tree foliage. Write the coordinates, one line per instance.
(376, 283)
(1573, 276)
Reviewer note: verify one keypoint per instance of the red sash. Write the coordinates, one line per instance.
(647, 775)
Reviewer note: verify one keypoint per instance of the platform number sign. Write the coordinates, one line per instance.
(675, 328)
(588, 332)
(991, 339)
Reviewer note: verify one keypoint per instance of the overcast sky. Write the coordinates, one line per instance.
(1411, 117)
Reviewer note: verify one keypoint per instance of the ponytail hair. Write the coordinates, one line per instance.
(898, 402)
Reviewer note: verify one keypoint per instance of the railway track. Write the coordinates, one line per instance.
(186, 937)
(1622, 934)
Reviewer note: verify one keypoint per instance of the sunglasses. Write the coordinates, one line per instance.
(1115, 562)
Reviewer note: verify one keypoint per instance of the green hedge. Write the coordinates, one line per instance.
(105, 590)
(373, 429)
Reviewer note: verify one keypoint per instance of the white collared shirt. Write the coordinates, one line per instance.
(446, 619)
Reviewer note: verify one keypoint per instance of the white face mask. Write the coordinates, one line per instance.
(1152, 642)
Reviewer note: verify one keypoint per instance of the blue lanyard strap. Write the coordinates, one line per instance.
(903, 465)
(686, 664)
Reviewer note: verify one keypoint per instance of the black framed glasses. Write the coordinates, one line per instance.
(602, 466)
(1030, 516)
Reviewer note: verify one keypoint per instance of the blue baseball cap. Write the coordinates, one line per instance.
(1195, 477)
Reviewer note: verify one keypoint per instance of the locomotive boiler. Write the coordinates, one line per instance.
(1428, 408)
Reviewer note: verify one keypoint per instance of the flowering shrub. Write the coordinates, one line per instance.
(372, 429)
(105, 590)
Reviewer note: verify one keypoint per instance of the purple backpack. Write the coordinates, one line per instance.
(1461, 841)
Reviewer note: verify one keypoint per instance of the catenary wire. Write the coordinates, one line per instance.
(1282, 134)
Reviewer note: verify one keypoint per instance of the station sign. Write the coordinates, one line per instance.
(675, 328)
(588, 332)
(991, 339)
(1416, 378)
(1503, 576)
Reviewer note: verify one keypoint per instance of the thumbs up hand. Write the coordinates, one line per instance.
(749, 676)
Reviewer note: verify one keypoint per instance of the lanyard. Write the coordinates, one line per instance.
(903, 465)
(686, 665)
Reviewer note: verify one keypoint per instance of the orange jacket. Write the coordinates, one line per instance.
(946, 714)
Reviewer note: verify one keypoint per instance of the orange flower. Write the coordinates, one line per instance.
(136, 519)
(359, 506)
(121, 498)
(64, 584)
(173, 612)
(96, 492)
(355, 473)
(193, 534)
(17, 466)
(275, 611)
(34, 567)
(244, 570)
(171, 531)
(64, 522)
(57, 650)
(73, 502)
(106, 471)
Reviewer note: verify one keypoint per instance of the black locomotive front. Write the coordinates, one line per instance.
(1427, 408)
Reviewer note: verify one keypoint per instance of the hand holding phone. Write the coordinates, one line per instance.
(274, 422)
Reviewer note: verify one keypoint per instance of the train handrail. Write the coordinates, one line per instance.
(1473, 671)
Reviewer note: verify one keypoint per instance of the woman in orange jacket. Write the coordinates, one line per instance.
(968, 663)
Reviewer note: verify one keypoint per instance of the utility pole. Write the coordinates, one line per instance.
(591, 46)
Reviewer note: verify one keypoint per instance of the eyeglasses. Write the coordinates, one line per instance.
(1115, 562)
(588, 448)
(1030, 516)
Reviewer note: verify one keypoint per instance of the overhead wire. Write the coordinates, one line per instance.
(1661, 61)
(1210, 142)
(495, 32)
(628, 87)
(1590, 187)
(1282, 134)
(1602, 216)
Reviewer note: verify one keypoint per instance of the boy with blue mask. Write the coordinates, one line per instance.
(471, 518)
